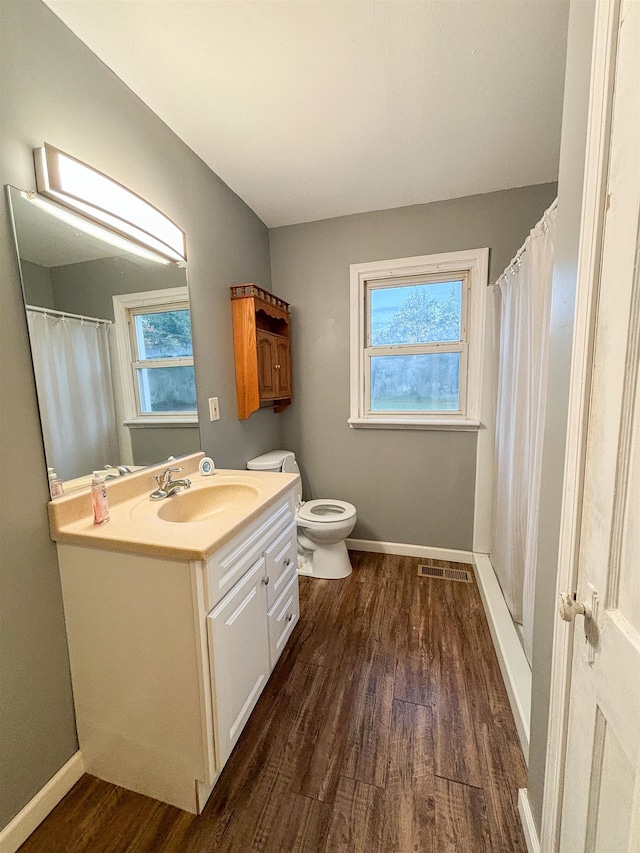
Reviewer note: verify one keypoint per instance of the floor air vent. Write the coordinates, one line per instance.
(463, 575)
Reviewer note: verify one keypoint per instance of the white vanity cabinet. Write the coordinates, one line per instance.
(169, 656)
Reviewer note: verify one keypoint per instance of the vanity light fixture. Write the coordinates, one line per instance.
(103, 200)
(99, 232)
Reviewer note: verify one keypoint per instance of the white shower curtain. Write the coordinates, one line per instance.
(73, 376)
(522, 302)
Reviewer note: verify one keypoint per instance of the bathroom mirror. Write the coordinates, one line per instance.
(114, 377)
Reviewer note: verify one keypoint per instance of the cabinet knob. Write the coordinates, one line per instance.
(287, 563)
(289, 617)
(265, 581)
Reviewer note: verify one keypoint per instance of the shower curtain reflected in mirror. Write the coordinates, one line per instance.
(73, 375)
(522, 304)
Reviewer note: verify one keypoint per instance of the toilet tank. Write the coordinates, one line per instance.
(277, 460)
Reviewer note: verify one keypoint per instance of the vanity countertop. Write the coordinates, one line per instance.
(137, 525)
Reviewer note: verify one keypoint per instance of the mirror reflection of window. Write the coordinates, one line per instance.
(155, 353)
(163, 359)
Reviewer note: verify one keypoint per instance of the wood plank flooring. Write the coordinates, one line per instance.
(384, 728)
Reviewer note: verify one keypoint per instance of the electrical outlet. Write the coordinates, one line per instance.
(214, 409)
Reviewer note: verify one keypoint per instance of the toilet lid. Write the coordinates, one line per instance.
(326, 510)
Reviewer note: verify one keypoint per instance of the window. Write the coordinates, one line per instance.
(155, 351)
(417, 328)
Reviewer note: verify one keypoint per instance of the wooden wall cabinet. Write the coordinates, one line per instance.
(261, 339)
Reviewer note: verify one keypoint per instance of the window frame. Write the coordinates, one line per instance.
(469, 266)
(125, 307)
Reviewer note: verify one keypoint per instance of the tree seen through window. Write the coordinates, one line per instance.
(415, 315)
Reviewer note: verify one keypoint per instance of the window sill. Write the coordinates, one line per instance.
(146, 423)
(460, 424)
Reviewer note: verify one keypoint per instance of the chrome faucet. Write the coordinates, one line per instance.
(121, 469)
(167, 486)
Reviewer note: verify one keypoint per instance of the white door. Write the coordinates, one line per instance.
(239, 653)
(601, 799)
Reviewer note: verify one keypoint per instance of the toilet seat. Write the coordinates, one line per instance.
(326, 511)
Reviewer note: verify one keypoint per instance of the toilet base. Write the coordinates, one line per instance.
(325, 561)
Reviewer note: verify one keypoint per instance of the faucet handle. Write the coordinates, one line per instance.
(163, 479)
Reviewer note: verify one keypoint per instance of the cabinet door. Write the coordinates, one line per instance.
(283, 368)
(266, 365)
(239, 654)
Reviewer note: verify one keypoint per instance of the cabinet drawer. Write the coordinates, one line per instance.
(225, 568)
(282, 559)
(283, 617)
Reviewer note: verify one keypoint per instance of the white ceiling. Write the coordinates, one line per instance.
(311, 109)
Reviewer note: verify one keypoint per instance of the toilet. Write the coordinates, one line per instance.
(323, 525)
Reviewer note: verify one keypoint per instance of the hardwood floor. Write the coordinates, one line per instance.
(384, 728)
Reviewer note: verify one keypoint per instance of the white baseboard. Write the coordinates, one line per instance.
(513, 662)
(528, 825)
(409, 550)
(31, 816)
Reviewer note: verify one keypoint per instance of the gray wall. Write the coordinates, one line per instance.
(38, 287)
(407, 485)
(572, 153)
(88, 288)
(54, 89)
(153, 445)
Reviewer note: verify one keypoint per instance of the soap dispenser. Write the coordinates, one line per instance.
(56, 487)
(99, 499)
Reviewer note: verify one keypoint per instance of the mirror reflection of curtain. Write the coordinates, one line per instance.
(522, 304)
(75, 394)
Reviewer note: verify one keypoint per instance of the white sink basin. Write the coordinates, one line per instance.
(201, 504)
(203, 501)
